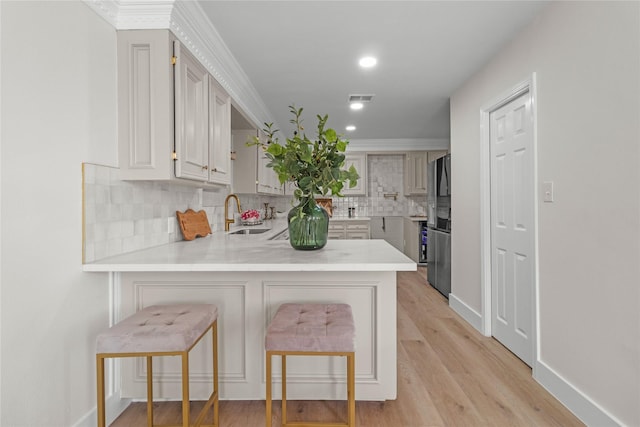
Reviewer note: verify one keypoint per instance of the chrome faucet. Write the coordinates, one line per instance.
(228, 221)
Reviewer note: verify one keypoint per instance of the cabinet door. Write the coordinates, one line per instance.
(359, 161)
(219, 134)
(192, 116)
(358, 230)
(267, 180)
(416, 173)
(145, 104)
(411, 232)
(336, 230)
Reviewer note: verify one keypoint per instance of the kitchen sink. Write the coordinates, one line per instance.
(251, 231)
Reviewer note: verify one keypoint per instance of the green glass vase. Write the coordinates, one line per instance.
(308, 225)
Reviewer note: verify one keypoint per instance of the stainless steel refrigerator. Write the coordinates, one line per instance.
(439, 224)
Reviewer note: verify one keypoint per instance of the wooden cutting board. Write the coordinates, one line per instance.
(193, 224)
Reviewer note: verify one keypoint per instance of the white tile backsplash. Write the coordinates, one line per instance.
(125, 216)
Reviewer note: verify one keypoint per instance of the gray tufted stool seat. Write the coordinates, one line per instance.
(311, 330)
(161, 330)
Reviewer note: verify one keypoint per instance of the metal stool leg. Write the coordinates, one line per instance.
(268, 399)
(351, 387)
(216, 413)
(100, 394)
(185, 389)
(149, 391)
(284, 389)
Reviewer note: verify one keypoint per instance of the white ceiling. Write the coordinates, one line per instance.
(306, 52)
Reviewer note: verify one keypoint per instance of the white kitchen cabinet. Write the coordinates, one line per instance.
(219, 133)
(388, 228)
(267, 180)
(349, 229)
(250, 172)
(359, 161)
(159, 80)
(411, 231)
(192, 116)
(415, 171)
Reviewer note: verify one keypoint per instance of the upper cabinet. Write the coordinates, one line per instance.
(359, 161)
(159, 80)
(250, 172)
(192, 116)
(219, 133)
(415, 171)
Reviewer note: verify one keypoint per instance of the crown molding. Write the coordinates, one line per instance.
(399, 144)
(188, 22)
(134, 14)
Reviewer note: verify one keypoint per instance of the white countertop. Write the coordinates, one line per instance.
(222, 251)
(346, 218)
(417, 218)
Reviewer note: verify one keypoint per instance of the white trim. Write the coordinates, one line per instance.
(466, 312)
(400, 144)
(588, 411)
(527, 85)
(114, 406)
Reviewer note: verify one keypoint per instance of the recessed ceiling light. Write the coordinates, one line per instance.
(368, 62)
(356, 105)
(350, 128)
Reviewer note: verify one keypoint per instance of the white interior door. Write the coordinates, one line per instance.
(512, 226)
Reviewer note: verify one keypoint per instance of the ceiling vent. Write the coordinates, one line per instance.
(360, 98)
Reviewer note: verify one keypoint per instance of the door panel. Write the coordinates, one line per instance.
(512, 231)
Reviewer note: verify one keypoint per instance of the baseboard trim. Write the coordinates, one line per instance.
(467, 313)
(114, 406)
(582, 407)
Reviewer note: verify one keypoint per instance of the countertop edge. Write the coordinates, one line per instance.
(139, 268)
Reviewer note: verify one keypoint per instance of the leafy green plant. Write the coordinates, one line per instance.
(315, 166)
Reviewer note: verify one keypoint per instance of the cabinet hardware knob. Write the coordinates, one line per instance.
(205, 167)
(214, 170)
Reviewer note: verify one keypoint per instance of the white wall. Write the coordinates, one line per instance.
(587, 59)
(58, 110)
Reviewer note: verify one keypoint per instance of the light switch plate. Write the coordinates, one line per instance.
(547, 191)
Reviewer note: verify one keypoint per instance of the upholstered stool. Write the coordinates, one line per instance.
(312, 330)
(161, 330)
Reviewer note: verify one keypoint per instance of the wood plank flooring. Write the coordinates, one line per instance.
(448, 375)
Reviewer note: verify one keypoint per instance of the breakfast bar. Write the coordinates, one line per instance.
(248, 276)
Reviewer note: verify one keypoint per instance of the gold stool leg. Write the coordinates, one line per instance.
(215, 375)
(351, 389)
(284, 389)
(185, 389)
(268, 398)
(149, 391)
(100, 394)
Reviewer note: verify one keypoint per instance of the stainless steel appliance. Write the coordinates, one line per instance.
(439, 224)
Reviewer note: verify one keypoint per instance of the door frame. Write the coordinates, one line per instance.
(526, 85)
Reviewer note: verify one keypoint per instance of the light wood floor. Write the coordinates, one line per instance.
(448, 375)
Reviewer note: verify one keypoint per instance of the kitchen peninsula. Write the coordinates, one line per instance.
(248, 276)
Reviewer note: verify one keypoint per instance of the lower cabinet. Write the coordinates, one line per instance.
(349, 229)
(411, 230)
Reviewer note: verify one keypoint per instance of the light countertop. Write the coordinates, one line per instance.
(346, 218)
(222, 251)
